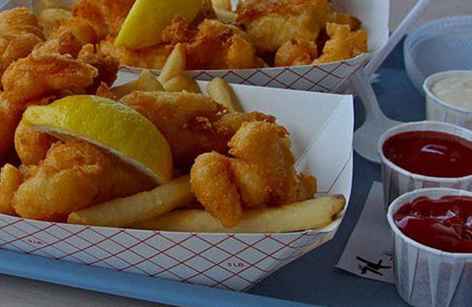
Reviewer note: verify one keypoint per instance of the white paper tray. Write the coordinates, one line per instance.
(374, 15)
(321, 128)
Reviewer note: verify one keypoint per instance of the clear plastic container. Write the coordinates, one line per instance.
(441, 45)
(425, 276)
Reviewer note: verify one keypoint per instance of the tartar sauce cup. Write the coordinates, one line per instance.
(438, 109)
(425, 276)
(398, 181)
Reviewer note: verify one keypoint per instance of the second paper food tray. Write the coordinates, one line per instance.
(374, 15)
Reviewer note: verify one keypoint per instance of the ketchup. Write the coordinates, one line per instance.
(444, 224)
(430, 153)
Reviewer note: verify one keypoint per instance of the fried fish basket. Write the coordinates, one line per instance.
(329, 77)
(322, 136)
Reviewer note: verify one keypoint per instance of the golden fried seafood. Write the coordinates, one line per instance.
(342, 44)
(15, 47)
(9, 117)
(31, 145)
(106, 16)
(217, 45)
(192, 123)
(80, 28)
(65, 43)
(296, 52)
(150, 57)
(51, 19)
(10, 180)
(19, 33)
(214, 188)
(71, 177)
(259, 172)
(19, 21)
(178, 31)
(41, 75)
(270, 24)
(345, 19)
(229, 47)
(106, 65)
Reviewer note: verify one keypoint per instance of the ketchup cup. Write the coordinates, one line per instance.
(398, 181)
(425, 276)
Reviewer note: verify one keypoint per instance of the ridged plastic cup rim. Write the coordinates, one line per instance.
(431, 80)
(467, 134)
(403, 200)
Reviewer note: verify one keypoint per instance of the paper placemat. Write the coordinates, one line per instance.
(368, 252)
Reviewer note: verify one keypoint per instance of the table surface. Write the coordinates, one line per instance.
(311, 279)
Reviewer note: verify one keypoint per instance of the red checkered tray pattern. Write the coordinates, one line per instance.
(230, 261)
(323, 78)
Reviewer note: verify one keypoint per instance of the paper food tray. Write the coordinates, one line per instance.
(321, 128)
(374, 15)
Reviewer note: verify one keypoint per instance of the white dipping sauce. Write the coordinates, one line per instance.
(455, 90)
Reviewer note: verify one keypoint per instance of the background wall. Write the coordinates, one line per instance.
(437, 9)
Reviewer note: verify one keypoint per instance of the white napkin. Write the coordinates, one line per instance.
(368, 252)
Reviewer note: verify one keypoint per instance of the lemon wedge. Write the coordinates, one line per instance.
(110, 125)
(147, 18)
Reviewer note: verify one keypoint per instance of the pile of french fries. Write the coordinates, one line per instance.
(171, 207)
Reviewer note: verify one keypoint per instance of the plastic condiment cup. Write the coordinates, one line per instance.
(398, 181)
(425, 276)
(438, 109)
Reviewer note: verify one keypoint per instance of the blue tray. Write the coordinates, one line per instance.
(118, 283)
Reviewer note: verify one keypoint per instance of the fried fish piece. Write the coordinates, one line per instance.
(192, 123)
(71, 177)
(106, 65)
(19, 34)
(296, 52)
(39, 75)
(153, 57)
(51, 19)
(65, 43)
(259, 172)
(10, 180)
(19, 21)
(218, 46)
(342, 44)
(270, 23)
(9, 117)
(31, 145)
(105, 16)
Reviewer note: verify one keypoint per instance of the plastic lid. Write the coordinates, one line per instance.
(441, 45)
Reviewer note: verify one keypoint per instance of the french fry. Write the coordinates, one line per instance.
(309, 214)
(146, 82)
(221, 92)
(175, 64)
(182, 83)
(123, 212)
